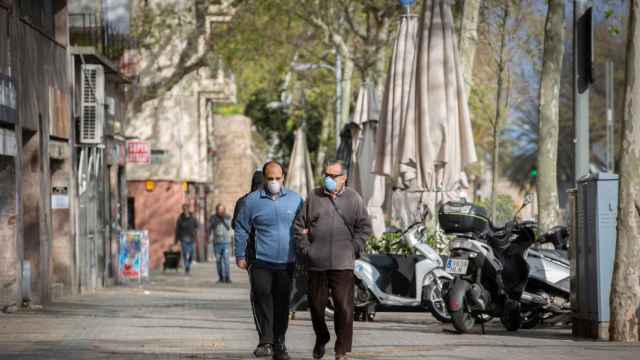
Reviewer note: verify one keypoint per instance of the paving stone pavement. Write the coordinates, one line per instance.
(179, 317)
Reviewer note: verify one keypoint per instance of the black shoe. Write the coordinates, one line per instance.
(319, 349)
(228, 281)
(263, 350)
(280, 352)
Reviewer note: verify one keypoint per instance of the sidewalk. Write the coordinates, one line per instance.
(179, 317)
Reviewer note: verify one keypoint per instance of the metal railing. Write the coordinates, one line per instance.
(86, 29)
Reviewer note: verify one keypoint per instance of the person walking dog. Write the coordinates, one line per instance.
(331, 231)
(268, 215)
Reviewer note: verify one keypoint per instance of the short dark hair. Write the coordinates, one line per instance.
(220, 205)
(272, 162)
(342, 164)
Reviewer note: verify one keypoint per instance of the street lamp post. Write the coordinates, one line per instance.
(583, 77)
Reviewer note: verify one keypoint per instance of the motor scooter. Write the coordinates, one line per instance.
(489, 264)
(406, 283)
(549, 279)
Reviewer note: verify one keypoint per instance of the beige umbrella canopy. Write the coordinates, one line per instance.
(398, 103)
(300, 174)
(424, 138)
(443, 137)
(371, 187)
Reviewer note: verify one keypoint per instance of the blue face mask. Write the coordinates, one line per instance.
(329, 184)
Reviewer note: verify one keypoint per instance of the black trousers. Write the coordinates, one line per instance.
(270, 291)
(339, 285)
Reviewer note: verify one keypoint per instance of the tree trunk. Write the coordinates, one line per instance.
(625, 292)
(497, 121)
(347, 75)
(468, 40)
(547, 183)
(325, 134)
(495, 163)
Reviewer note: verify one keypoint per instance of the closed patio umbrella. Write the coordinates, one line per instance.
(370, 186)
(443, 136)
(398, 103)
(300, 174)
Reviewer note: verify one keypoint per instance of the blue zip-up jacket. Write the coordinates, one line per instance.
(273, 223)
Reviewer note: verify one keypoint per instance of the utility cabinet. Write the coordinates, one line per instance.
(595, 246)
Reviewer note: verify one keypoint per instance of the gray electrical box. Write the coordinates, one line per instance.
(595, 246)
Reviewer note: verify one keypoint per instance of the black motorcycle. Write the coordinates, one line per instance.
(488, 263)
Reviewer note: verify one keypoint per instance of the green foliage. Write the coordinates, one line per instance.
(388, 243)
(505, 208)
(278, 124)
(227, 110)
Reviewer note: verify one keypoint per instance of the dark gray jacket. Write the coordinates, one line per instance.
(186, 229)
(330, 245)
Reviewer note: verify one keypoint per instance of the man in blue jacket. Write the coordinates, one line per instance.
(269, 214)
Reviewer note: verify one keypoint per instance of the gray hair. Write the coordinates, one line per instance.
(343, 165)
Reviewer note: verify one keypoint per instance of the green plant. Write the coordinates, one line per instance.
(388, 243)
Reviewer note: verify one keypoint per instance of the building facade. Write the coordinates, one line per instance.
(37, 183)
(175, 122)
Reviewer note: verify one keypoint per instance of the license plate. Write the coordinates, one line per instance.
(457, 266)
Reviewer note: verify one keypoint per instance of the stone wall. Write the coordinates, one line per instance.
(235, 162)
(8, 255)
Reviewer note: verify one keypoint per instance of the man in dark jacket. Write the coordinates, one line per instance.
(186, 234)
(331, 231)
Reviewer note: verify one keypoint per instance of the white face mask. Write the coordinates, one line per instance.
(274, 187)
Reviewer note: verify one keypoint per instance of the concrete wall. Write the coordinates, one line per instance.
(8, 255)
(62, 244)
(34, 234)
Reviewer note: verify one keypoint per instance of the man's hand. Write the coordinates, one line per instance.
(242, 264)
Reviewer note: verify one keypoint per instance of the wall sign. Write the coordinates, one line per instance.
(7, 99)
(59, 197)
(138, 152)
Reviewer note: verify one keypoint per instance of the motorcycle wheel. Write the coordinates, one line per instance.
(462, 320)
(432, 295)
(511, 319)
(530, 319)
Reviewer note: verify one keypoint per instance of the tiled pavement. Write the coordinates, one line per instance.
(178, 317)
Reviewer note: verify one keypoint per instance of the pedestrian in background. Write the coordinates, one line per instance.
(257, 183)
(269, 214)
(220, 227)
(186, 234)
(331, 231)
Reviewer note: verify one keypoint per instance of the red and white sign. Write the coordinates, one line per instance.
(139, 152)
